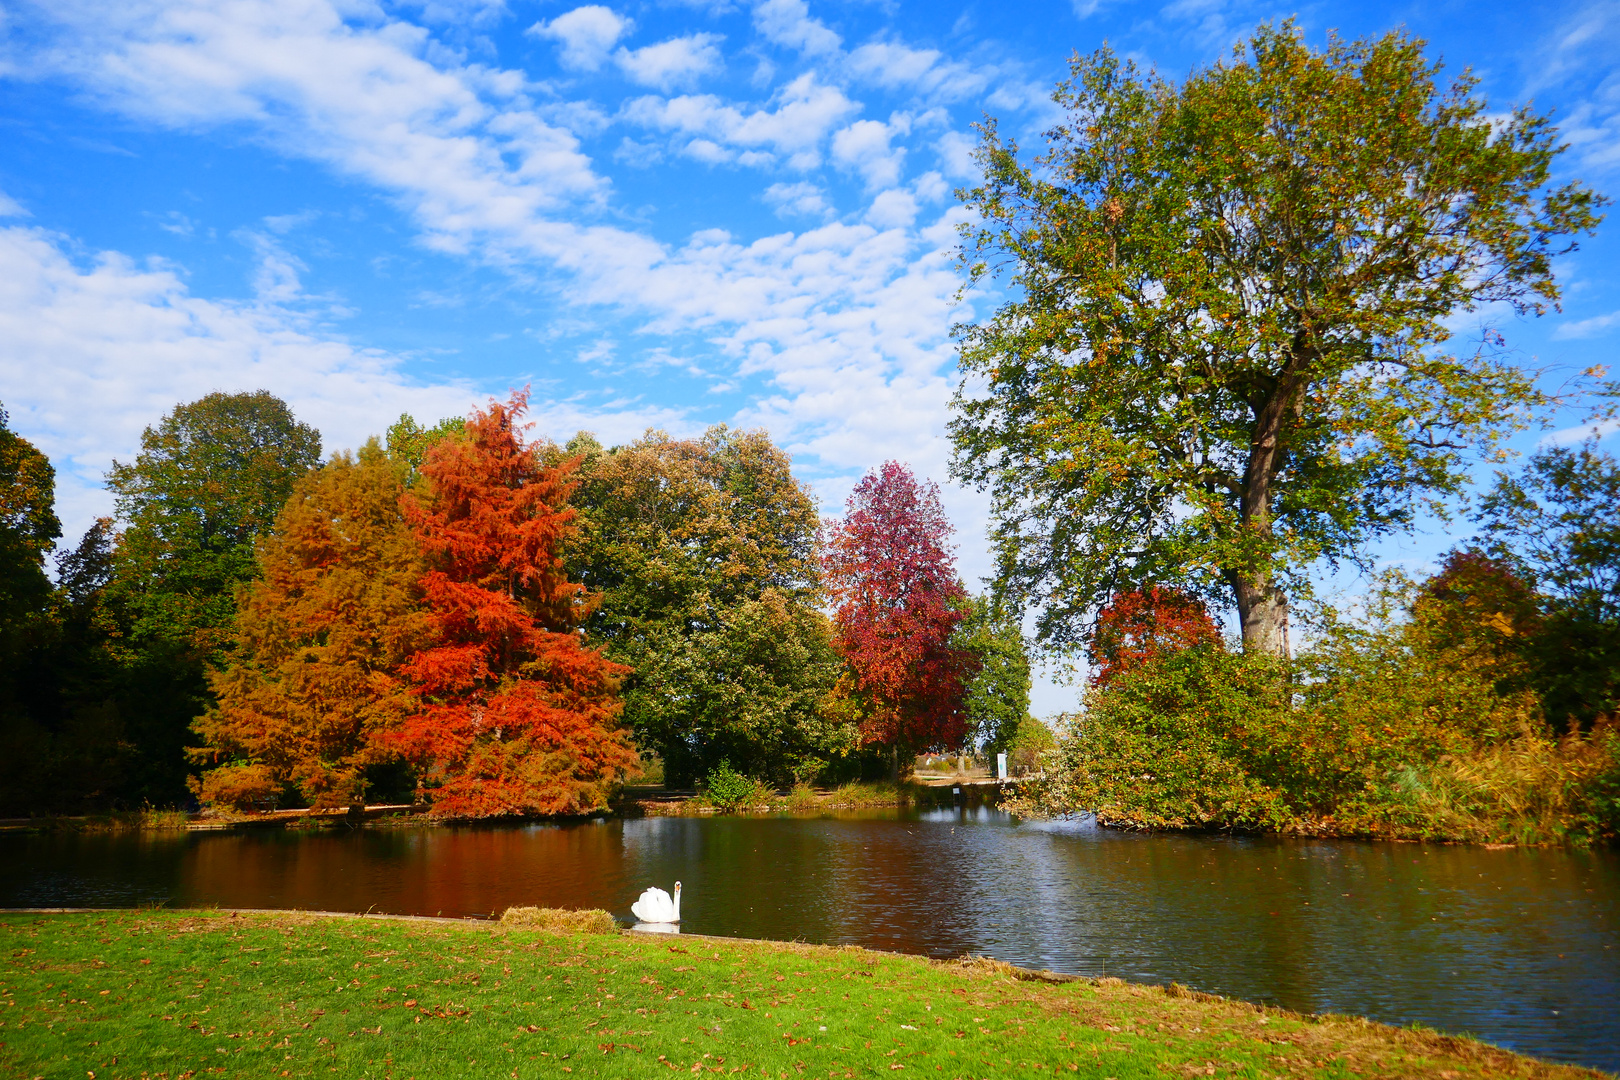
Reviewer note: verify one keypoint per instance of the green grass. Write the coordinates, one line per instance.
(183, 995)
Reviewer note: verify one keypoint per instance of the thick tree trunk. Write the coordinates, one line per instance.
(1263, 613)
(1262, 607)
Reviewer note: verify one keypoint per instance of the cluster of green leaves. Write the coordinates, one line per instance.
(702, 552)
(116, 657)
(1418, 721)
(1225, 353)
(997, 699)
(1558, 524)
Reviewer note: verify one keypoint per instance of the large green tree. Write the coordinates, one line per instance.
(1558, 522)
(997, 701)
(28, 525)
(210, 479)
(1224, 353)
(703, 553)
(208, 482)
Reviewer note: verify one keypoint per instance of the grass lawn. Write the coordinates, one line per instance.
(200, 994)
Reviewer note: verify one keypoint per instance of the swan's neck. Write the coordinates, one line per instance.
(677, 903)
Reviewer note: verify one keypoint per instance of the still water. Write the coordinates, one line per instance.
(1518, 947)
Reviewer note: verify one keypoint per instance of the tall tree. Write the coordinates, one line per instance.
(1558, 521)
(1226, 353)
(703, 551)
(888, 570)
(518, 716)
(28, 529)
(28, 525)
(209, 481)
(314, 685)
(997, 700)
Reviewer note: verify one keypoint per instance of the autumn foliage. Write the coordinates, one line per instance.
(1143, 625)
(315, 688)
(898, 600)
(517, 716)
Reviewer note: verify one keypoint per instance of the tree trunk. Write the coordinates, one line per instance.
(1262, 607)
(1263, 613)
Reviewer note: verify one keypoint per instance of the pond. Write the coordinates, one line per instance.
(1518, 947)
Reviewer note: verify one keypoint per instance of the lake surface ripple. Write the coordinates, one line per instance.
(1520, 947)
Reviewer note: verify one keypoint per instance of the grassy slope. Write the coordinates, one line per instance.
(204, 994)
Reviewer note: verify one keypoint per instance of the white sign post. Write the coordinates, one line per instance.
(1001, 766)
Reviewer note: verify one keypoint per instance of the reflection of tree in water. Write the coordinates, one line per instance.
(1461, 938)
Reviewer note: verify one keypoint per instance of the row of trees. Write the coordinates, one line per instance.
(496, 623)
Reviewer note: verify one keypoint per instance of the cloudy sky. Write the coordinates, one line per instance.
(657, 213)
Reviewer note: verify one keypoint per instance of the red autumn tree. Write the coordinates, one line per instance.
(1142, 625)
(517, 716)
(887, 567)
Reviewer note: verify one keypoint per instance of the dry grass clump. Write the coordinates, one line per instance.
(560, 920)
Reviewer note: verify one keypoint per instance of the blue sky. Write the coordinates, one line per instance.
(664, 214)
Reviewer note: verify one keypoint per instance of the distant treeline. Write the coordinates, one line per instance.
(459, 615)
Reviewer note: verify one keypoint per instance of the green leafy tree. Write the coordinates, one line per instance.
(703, 553)
(28, 525)
(1225, 352)
(28, 530)
(997, 700)
(409, 442)
(209, 481)
(1559, 521)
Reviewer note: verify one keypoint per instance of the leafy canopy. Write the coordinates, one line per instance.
(1225, 351)
(1558, 522)
(28, 525)
(518, 716)
(209, 480)
(997, 699)
(898, 604)
(703, 551)
(314, 684)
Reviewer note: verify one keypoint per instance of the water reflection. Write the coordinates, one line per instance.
(1519, 947)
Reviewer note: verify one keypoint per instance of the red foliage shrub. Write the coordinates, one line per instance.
(1145, 624)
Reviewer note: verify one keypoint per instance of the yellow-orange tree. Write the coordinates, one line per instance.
(517, 716)
(314, 684)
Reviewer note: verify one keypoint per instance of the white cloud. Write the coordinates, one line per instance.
(804, 112)
(788, 23)
(671, 63)
(891, 64)
(456, 13)
(1587, 328)
(276, 273)
(10, 207)
(124, 343)
(866, 147)
(956, 155)
(845, 325)
(893, 209)
(798, 200)
(587, 35)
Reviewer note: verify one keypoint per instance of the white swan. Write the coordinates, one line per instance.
(655, 906)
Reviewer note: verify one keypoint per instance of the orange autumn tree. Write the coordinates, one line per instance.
(320, 634)
(517, 716)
